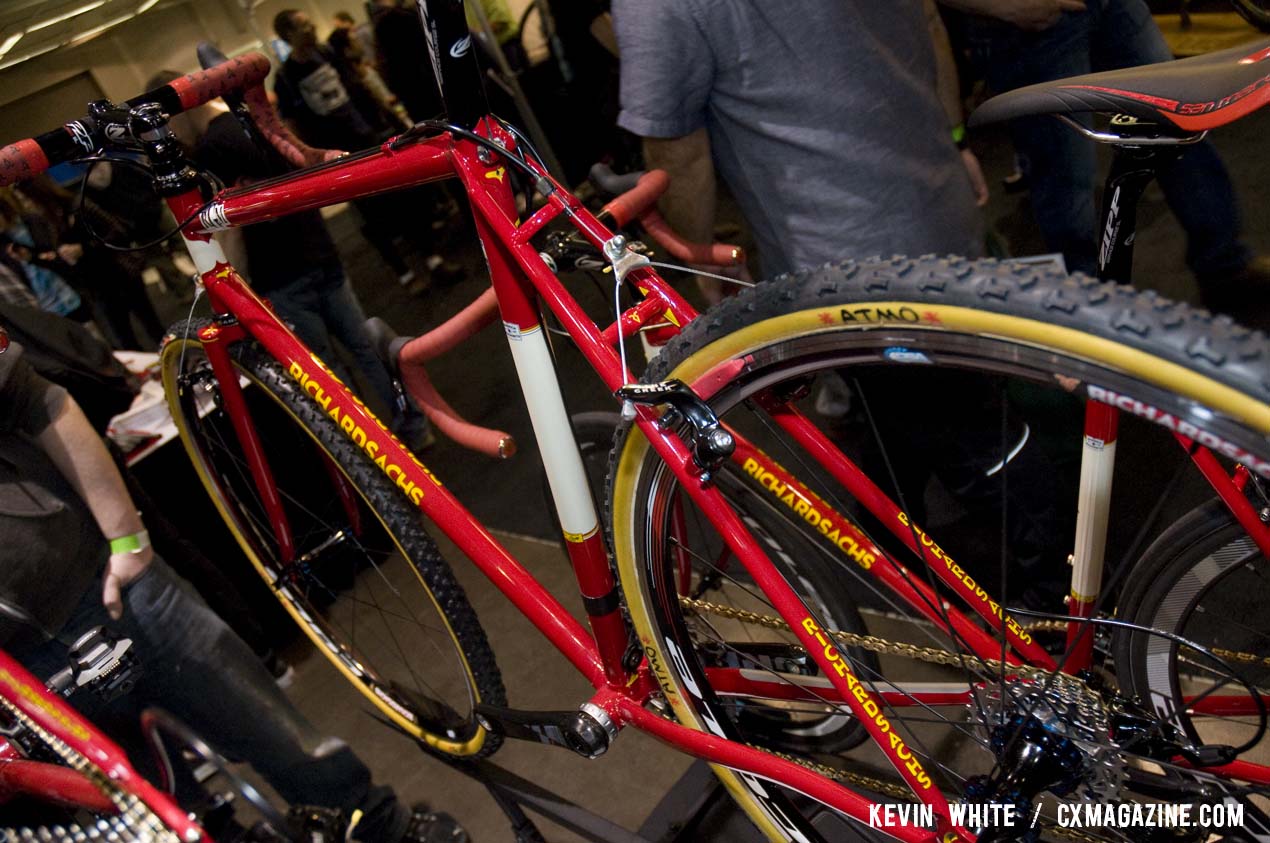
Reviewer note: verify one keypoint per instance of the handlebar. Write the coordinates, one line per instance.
(639, 202)
(634, 202)
(30, 157)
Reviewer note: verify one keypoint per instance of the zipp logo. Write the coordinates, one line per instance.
(1111, 230)
(116, 132)
(460, 47)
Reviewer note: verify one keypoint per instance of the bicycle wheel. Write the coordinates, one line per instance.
(968, 382)
(1205, 580)
(1256, 12)
(368, 585)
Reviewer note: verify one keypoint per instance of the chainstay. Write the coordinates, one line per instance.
(882, 646)
(931, 655)
(874, 644)
(895, 790)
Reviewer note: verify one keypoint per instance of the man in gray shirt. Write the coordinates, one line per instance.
(821, 116)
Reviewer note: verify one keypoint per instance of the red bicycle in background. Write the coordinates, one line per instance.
(766, 590)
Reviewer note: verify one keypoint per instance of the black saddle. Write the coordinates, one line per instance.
(1192, 95)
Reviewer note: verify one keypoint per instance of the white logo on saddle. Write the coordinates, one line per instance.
(460, 48)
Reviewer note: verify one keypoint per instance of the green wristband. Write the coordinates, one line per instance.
(959, 135)
(134, 543)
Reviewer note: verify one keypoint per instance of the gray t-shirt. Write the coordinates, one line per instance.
(822, 115)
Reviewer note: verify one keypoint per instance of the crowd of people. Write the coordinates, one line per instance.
(831, 125)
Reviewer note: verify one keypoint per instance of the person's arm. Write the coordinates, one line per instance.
(1033, 15)
(689, 202)
(74, 447)
(667, 75)
(948, 86)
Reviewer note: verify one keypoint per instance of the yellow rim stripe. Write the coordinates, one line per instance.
(1147, 367)
(472, 745)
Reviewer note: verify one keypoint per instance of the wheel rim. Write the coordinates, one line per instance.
(808, 354)
(351, 588)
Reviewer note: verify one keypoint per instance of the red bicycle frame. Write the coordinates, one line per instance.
(62, 785)
(520, 280)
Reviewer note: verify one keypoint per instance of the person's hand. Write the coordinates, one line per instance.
(1036, 15)
(122, 569)
(977, 182)
(70, 252)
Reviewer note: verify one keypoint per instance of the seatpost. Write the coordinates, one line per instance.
(1132, 169)
(1140, 151)
(454, 61)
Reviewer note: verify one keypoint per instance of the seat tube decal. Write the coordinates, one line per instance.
(1097, 467)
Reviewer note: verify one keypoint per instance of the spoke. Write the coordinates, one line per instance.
(926, 567)
(315, 532)
(1222, 619)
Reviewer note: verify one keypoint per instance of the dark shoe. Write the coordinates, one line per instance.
(433, 827)
(1249, 288)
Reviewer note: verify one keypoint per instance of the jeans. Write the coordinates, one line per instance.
(195, 667)
(1061, 165)
(321, 305)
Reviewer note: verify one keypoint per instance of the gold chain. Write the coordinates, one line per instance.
(931, 655)
(1242, 658)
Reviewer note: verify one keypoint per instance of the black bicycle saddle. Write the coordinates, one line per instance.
(1192, 94)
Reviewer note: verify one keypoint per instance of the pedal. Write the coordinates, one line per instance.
(588, 731)
(101, 662)
(711, 444)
